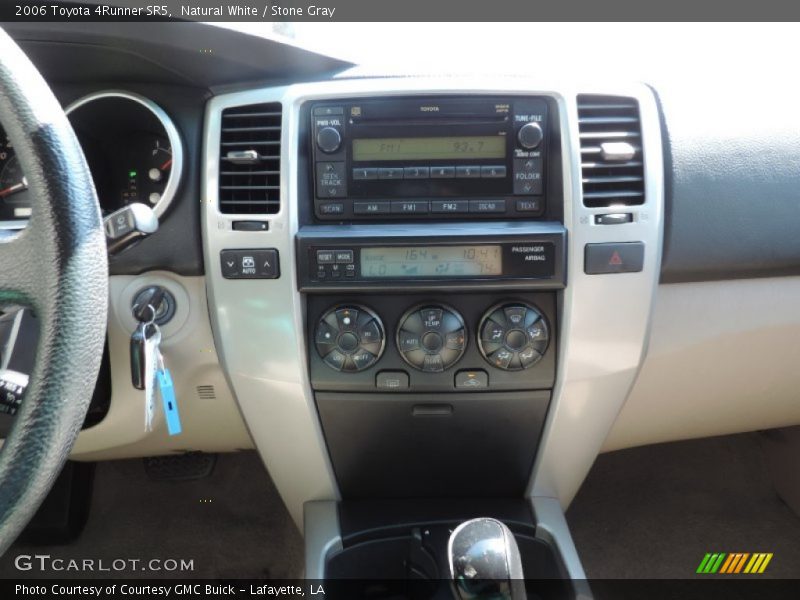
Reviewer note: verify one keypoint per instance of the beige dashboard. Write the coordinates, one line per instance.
(640, 362)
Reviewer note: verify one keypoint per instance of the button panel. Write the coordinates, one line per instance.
(350, 338)
(250, 264)
(513, 337)
(334, 264)
(431, 338)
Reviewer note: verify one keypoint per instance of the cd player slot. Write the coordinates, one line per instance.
(427, 108)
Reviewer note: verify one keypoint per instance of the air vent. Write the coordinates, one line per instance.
(206, 392)
(611, 151)
(250, 160)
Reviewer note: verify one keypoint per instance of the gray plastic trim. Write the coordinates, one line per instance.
(258, 324)
(322, 536)
(605, 319)
(551, 526)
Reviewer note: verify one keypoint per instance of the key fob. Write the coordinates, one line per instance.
(138, 358)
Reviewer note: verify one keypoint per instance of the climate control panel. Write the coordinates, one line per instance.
(407, 343)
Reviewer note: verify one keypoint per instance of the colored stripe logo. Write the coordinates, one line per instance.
(734, 563)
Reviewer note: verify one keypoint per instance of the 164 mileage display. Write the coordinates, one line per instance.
(431, 261)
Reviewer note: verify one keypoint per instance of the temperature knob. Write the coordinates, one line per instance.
(431, 338)
(513, 336)
(350, 338)
(329, 139)
(530, 135)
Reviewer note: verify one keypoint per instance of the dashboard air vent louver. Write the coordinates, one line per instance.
(612, 166)
(250, 160)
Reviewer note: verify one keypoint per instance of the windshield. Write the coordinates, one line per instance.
(543, 49)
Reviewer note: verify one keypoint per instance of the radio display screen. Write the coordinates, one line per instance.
(430, 148)
(431, 261)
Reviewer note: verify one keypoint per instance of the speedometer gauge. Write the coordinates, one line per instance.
(132, 147)
(15, 206)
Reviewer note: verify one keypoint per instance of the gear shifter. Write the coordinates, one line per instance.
(485, 561)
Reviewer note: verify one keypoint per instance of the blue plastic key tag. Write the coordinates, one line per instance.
(170, 403)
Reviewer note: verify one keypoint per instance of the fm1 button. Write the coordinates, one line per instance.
(472, 380)
(392, 380)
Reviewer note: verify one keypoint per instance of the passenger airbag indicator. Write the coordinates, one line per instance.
(534, 259)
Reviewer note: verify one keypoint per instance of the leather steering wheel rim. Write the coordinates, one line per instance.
(57, 266)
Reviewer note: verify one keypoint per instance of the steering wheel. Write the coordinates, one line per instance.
(58, 267)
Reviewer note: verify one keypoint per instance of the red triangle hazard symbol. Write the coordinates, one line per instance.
(615, 260)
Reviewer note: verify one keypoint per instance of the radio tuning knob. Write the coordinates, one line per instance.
(530, 135)
(329, 139)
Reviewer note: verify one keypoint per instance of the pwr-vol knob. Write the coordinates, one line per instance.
(329, 139)
(350, 338)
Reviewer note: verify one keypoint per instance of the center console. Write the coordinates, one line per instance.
(431, 248)
(431, 314)
(439, 315)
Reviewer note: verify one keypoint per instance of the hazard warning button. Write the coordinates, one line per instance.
(623, 257)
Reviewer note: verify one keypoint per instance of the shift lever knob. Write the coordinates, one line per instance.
(485, 561)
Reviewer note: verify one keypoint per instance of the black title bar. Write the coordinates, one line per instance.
(255, 11)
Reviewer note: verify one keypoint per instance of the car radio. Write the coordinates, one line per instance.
(430, 157)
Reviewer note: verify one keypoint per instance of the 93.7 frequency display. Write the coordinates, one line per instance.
(430, 148)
